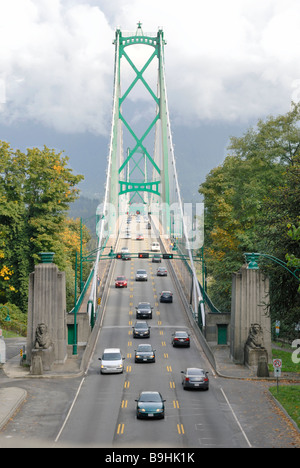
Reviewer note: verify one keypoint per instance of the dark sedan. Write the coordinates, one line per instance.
(141, 330)
(181, 338)
(144, 353)
(156, 258)
(150, 405)
(144, 310)
(194, 377)
(166, 296)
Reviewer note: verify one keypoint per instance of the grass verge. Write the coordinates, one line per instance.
(289, 398)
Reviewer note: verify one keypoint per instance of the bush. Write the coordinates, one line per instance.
(18, 320)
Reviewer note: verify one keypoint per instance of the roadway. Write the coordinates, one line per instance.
(103, 413)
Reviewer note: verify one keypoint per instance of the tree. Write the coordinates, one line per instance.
(250, 199)
(36, 189)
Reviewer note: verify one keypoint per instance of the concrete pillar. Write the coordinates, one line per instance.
(250, 297)
(47, 304)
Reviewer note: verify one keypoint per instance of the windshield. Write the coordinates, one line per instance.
(140, 325)
(143, 272)
(150, 397)
(144, 348)
(120, 278)
(195, 372)
(111, 357)
(144, 305)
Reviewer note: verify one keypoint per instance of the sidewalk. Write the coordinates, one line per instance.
(11, 398)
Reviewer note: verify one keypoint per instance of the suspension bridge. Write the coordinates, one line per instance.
(141, 175)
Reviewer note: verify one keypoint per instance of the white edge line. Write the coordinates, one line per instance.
(236, 419)
(70, 410)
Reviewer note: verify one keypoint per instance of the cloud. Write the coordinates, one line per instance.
(227, 61)
(58, 64)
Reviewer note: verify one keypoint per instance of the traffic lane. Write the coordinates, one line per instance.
(92, 420)
(157, 376)
(199, 410)
(154, 376)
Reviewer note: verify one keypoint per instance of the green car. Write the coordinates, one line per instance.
(150, 405)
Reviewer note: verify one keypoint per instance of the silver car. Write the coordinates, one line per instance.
(141, 275)
(194, 377)
(111, 361)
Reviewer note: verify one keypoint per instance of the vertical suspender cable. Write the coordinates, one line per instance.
(103, 219)
(196, 287)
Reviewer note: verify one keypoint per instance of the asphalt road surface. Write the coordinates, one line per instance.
(99, 410)
(104, 413)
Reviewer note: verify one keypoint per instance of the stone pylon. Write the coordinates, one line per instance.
(249, 305)
(47, 306)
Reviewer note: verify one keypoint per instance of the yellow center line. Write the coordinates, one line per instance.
(180, 428)
(120, 429)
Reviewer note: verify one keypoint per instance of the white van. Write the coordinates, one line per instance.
(155, 247)
(112, 361)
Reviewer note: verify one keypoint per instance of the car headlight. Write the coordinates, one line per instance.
(159, 410)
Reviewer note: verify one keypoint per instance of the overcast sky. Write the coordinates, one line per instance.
(228, 63)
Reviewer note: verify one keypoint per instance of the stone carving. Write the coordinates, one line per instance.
(255, 338)
(42, 337)
(256, 355)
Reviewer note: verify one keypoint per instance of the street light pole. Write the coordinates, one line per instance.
(253, 258)
(7, 318)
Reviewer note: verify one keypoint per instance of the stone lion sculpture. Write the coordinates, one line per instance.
(256, 337)
(42, 337)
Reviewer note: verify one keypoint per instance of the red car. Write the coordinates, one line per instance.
(139, 237)
(121, 282)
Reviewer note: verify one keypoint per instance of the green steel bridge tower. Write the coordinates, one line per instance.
(141, 170)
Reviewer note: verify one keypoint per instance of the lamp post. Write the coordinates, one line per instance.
(7, 318)
(253, 258)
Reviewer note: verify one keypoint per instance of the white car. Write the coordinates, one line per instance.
(141, 275)
(112, 361)
(124, 250)
(155, 247)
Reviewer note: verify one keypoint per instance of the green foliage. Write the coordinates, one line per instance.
(36, 189)
(251, 203)
(289, 397)
(18, 320)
